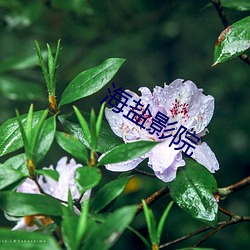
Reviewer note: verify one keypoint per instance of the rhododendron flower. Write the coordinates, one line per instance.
(185, 105)
(58, 189)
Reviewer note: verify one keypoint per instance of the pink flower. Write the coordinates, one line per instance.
(185, 105)
(58, 189)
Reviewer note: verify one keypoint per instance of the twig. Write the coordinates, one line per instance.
(226, 23)
(223, 192)
(235, 220)
(152, 198)
(224, 211)
(144, 173)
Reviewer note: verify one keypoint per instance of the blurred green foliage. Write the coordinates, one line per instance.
(162, 41)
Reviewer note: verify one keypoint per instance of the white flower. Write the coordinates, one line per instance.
(58, 189)
(185, 105)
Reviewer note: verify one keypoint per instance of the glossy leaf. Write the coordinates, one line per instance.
(16, 240)
(107, 139)
(18, 162)
(10, 136)
(46, 137)
(90, 81)
(193, 191)
(53, 174)
(87, 177)
(241, 5)
(8, 176)
(108, 193)
(105, 235)
(19, 90)
(127, 152)
(233, 41)
(73, 146)
(20, 204)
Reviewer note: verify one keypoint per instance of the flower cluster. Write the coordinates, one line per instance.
(186, 106)
(58, 189)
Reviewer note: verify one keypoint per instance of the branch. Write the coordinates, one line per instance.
(226, 23)
(152, 198)
(144, 173)
(223, 192)
(235, 220)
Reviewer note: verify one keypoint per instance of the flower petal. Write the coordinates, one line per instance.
(125, 166)
(205, 156)
(29, 187)
(165, 160)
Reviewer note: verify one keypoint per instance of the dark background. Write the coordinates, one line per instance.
(161, 41)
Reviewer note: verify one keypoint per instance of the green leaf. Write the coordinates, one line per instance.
(18, 162)
(108, 193)
(90, 81)
(107, 139)
(8, 176)
(92, 127)
(10, 136)
(87, 177)
(195, 248)
(162, 222)
(19, 90)
(99, 121)
(16, 240)
(73, 146)
(20, 204)
(151, 223)
(241, 5)
(53, 174)
(193, 191)
(84, 125)
(233, 41)
(143, 239)
(69, 230)
(127, 152)
(46, 137)
(105, 235)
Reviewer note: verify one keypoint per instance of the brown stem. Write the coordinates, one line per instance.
(152, 198)
(223, 192)
(226, 23)
(144, 173)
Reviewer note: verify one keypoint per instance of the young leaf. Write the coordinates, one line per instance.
(92, 126)
(193, 191)
(73, 146)
(127, 152)
(84, 125)
(90, 81)
(106, 234)
(46, 138)
(108, 193)
(99, 121)
(18, 162)
(162, 221)
(233, 41)
(143, 239)
(82, 223)
(107, 138)
(150, 219)
(10, 136)
(87, 177)
(16, 240)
